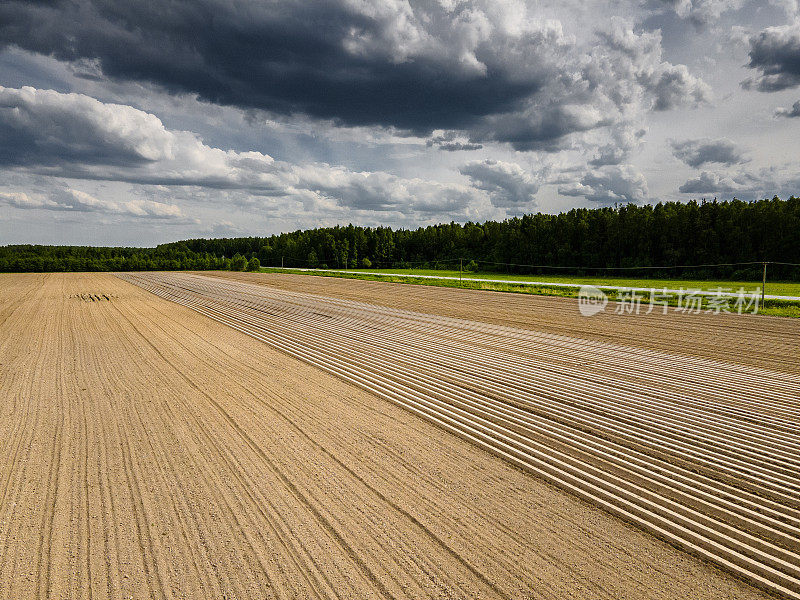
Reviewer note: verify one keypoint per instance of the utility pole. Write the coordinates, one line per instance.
(460, 260)
(281, 262)
(763, 283)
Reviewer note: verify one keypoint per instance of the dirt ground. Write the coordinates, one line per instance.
(149, 452)
(772, 342)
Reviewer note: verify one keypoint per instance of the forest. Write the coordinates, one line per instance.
(694, 239)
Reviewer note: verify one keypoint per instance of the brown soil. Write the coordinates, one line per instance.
(772, 342)
(149, 452)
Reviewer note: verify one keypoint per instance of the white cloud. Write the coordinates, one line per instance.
(775, 51)
(47, 127)
(696, 153)
(77, 136)
(703, 12)
(77, 201)
(567, 83)
(622, 140)
(634, 65)
(508, 184)
(609, 185)
(379, 191)
(137, 148)
(790, 113)
(766, 182)
(20, 200)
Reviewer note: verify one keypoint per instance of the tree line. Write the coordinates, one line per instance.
(43, 259)
(674, 236)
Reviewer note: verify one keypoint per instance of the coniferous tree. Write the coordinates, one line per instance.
(583, 241)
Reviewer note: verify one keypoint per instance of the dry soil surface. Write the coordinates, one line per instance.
(770, 342)
(149, 452)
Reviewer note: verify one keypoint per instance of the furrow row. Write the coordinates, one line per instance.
(722, 484)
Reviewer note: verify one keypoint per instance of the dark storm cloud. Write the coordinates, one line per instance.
(696, 153)
(543, 129)
(775, 52)
(478, 67)
(286, 57)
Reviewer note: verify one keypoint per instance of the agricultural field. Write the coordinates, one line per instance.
(782, 300)
(747, 339)
(778, 288)
(235, 435)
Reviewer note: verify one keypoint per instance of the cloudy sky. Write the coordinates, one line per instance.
(143, 122)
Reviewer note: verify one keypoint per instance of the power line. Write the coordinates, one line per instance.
(579, 267)
(638, 268)
(787, 264)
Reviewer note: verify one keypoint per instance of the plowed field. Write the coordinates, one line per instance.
(149, 451)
